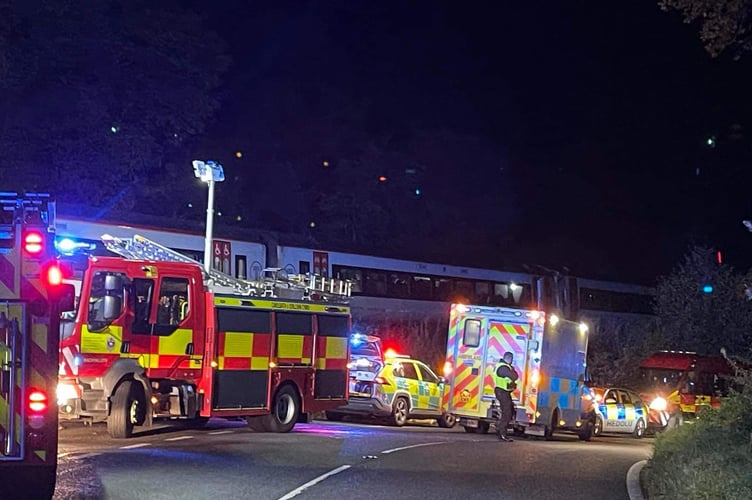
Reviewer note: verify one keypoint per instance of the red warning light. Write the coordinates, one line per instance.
(54, 275)
(382, 178)
(33, 242)
(719, 257)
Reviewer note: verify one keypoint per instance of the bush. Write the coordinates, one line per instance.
(711, 458)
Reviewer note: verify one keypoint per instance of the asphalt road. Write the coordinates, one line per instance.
(326, 460)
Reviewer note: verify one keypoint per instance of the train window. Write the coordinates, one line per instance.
(375, 283)
(348, 273)
(421, 287)
(397, 286)
(463, 291)
(304, 266)
(241, 267)
(482, 292)
(442, 289)
(471, 335)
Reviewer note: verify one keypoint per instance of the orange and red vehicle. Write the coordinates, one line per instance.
(31, 297)
(678, 384)
(155, 336)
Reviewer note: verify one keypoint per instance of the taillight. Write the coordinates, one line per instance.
(381, 380)
(37, 401)
(33, 242)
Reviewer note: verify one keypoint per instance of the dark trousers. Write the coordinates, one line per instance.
(507, 408)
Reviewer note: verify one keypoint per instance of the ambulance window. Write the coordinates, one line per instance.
(471, 336)
(409, 371)
(141, 300)
(427, 374)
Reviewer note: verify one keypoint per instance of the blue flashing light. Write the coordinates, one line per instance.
(707, 289)
(68, 246)
(356, 339)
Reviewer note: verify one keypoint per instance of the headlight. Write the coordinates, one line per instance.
(363, 362)
(66, 392)
(658, 404)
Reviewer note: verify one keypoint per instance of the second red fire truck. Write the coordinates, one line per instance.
(155, 336)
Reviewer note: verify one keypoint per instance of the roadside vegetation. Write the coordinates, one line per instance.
(711, 458)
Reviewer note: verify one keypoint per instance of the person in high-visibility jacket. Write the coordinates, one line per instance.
(505, 380)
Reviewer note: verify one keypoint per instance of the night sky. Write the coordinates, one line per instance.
(588, 122)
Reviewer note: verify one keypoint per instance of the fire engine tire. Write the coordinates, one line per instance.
(334, 416)
(639, 430)
(257, 423)
(285, 411)
(400, 409)
(446, 421)
(598, 427)
(128, 409)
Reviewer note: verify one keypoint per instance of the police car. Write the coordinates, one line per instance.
(619, 410)
(404, 388)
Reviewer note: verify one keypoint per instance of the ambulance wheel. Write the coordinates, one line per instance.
(128, 409)
(639, 430)
(548, 433)
(598, 427)
(399, 411)
(470, 430)
(285, 411)
(483, 427)
(587, 431)
(446, 420)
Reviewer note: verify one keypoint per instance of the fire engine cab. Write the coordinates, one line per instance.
(156, 336)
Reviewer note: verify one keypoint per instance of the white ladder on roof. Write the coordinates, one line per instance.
(271, 284)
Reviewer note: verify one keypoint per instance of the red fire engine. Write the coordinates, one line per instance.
(677, 384)
(31, 297)
(155, 336)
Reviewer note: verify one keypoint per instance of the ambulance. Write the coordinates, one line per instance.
(549, 355)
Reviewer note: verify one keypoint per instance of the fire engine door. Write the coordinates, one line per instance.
(13, 359)
(505, 336)
(165, 335)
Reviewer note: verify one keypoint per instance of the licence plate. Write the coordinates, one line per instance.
(365, 375)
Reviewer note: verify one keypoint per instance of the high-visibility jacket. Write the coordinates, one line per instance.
(505, 377)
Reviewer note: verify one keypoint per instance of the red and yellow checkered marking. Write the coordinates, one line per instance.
(331, 353)
(504, 337)
(244, 351)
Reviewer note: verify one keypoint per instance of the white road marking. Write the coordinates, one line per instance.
(217, 433)
(297, 491)
(179, 438)
(61, 455)
(86, 455)
(387, 452)
(131, 446)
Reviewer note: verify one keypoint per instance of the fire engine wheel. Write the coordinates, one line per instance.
(639, 430)
(128, 409)
(598, 427)
(285, 411)
(399, 411)
(446, 420)
(256, 423)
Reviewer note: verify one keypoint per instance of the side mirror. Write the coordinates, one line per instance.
(113, 282)
(113, 306)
